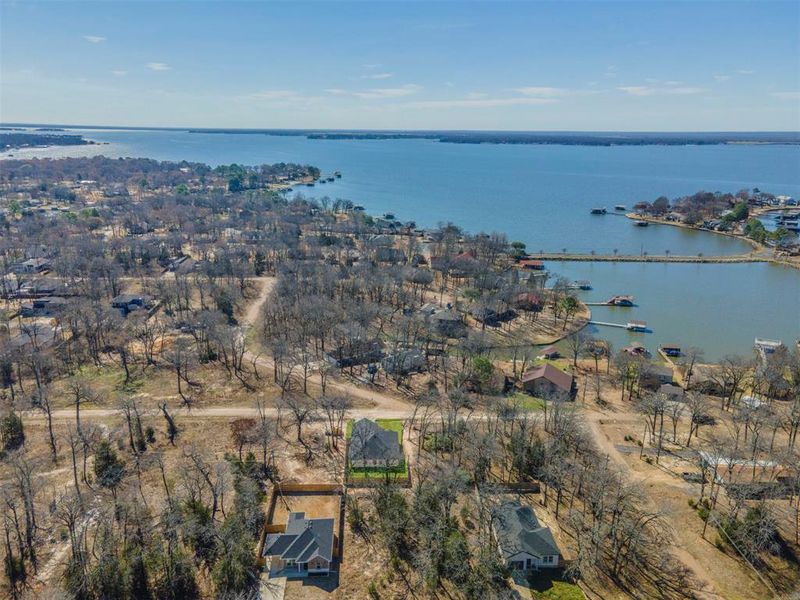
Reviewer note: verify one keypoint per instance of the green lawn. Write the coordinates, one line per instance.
(526, 401)
(398, 472)
(559, 590)
(388, 424)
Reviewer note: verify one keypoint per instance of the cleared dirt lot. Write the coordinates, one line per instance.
(315, 505)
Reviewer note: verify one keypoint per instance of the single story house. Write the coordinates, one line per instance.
(528, 302)
(524, 544)
(304, 548)
(32, 265)
(126, 303)
(356, 352)
(449, 323)
(547, 381)
(373, 446)
(50, 306)
(672, 392)
(404, 362)
(656, 375)
(41, 287)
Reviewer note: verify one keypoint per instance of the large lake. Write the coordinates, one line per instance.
(542, 196)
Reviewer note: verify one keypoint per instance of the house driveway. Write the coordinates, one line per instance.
(271, 588)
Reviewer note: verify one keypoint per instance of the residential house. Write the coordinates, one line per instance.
(126, 303)
(356, 352)
(41, 287)
(32, 265)
(547, 381)
(304, 548)
(373, 446)
(449, 323)
(524, 544)
(51, 306)
(655, 375)
(404, 362)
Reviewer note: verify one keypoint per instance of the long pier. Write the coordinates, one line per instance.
(605, 324)
(654, 258)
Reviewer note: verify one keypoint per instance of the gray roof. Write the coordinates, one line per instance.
(303, 539)
(518, 530)
(370, 441)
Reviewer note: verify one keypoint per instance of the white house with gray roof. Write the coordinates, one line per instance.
(524, 544)
(304, 548)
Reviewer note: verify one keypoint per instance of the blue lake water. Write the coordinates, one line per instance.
(542, 195)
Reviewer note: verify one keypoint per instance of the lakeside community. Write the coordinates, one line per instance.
(227, 388)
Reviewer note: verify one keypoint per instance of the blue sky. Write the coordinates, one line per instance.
(651, 66)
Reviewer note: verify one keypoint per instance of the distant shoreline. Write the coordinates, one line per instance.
(569, 138)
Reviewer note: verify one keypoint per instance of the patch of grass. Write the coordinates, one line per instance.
(395, 425)
(398, 472)
(526, 401)
(544, 588)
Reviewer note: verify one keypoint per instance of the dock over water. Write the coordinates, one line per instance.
(655, 258)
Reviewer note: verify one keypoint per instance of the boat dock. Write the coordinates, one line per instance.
(635, 326)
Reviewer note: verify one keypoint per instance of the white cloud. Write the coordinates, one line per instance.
(480, 102)
(745, 72)
(158, 66)
(94, 39)
(377, 76)
(646, 90)
(721, 77)
(119, 73)
(273, 95)
(546, 92)
(787, 95)
(408, 89)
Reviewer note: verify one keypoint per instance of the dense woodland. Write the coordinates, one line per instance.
(268, 301)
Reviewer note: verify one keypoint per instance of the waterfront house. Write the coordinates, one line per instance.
(655, 375)
(528, 302)
(304, 548)
(547, 381)
(373, 446)
(523, 543)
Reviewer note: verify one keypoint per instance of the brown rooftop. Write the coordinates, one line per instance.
(555, 376)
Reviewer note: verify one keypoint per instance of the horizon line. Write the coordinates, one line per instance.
(391, 130)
